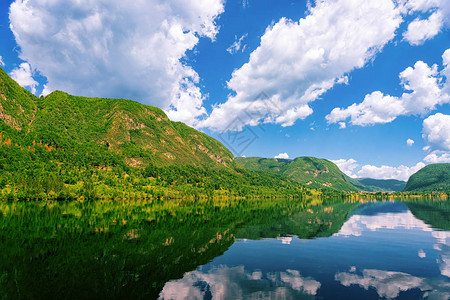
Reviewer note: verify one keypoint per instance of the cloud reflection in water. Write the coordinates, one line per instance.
(390, 284)
(236, 283)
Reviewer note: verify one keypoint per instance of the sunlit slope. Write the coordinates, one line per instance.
(313, 172)
(434, 177)
(17, 106)
(140, 133)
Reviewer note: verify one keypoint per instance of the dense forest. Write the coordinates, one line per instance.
(432, 178)
(313, 172)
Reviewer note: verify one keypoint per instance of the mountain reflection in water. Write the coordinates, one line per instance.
(227, 250)
(381, 251)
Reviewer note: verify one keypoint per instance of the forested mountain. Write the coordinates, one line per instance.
(434, 177)
(314, 172)
(319, 173)
(66, 146)
(378, 185)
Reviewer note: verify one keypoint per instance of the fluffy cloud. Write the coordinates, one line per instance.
(297, 62)
(446, 71)
(117, 49)
(45, 91)
(424, 91)
(387, 172)
(229, 283)
(437, 157)
(421, 30)
(23, 75)
(237, 45)
(283, 156)
(2, 64)
(346, 165)
(376, 108)
(351, 168)
(409, 142)
(436, 131)
(420, 5)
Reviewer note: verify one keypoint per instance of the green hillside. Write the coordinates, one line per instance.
(434, 177)
(313, 172)
(62, 146)
(378, 185)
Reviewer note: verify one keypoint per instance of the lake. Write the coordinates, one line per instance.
(230, 249)
(382, 251)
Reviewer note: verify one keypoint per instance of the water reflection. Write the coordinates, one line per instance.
(223, 282)
(382, 250)
(400, 219)
(239, 249)
(390, 284)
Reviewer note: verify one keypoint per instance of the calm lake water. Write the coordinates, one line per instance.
(383, 250)
(230, 249)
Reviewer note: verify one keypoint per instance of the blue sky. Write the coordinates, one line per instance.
(345, 80)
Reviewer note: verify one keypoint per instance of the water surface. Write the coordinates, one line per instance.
(224, 249)
(383, 250)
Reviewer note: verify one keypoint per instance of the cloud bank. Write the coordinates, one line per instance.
(298, 61)
(351, 168)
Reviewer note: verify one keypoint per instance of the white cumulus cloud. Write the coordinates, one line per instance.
(355, 170)
(45, 91)
(446, 71)
(23, 75)
(436, 131)
(298, 61)
(283, 156)
(2, 64)
(421, 30)
(388, 172)
(424, 90)
(437, 157)
(347, 166)
(409, 142)
(113, 48)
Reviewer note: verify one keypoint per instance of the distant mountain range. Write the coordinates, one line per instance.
(318, 174)
(378, 185)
